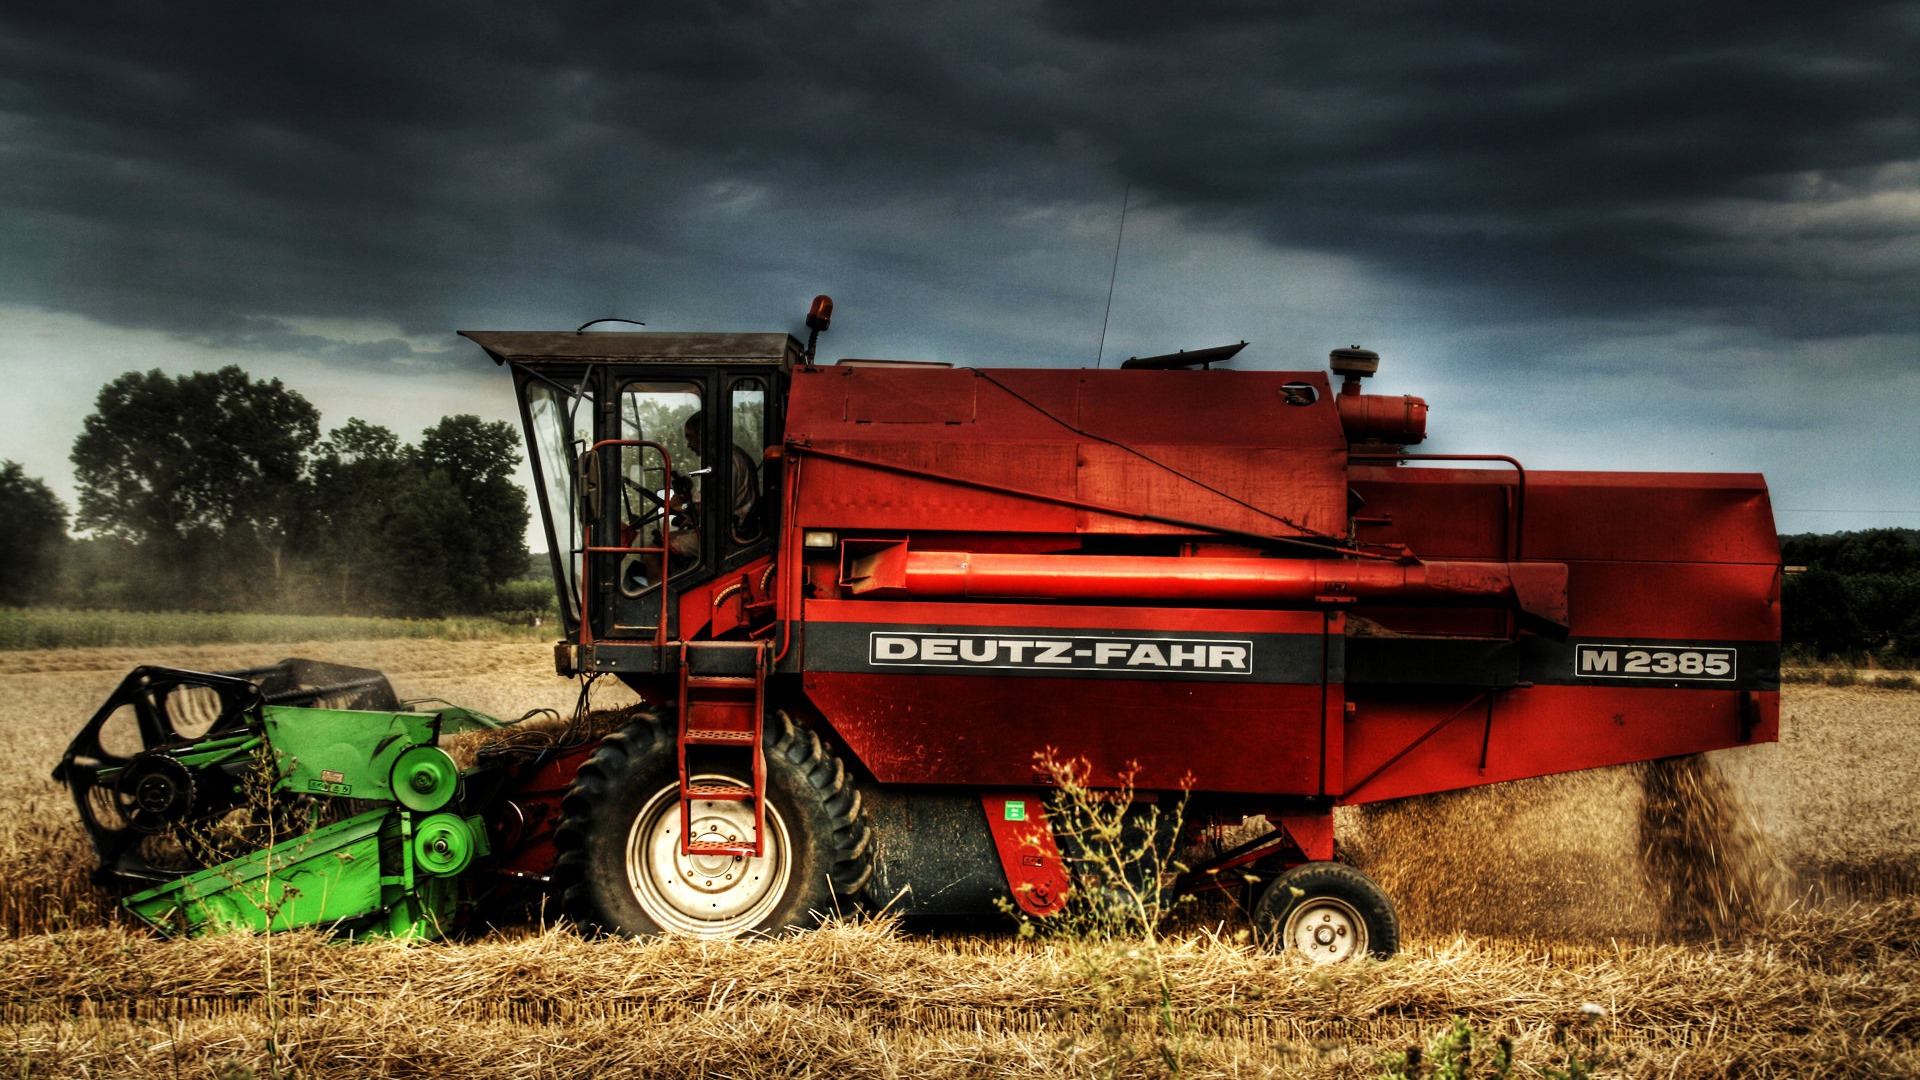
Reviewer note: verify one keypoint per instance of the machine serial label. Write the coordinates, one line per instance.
(1045, 652)
(1674, 662)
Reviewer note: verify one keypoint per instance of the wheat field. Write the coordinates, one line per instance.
(1526, 910)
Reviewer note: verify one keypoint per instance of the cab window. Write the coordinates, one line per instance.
(748, 405)
(560, 422)
(660, 484)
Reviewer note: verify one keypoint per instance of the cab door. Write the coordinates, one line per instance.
(652, 463)
(684, 463)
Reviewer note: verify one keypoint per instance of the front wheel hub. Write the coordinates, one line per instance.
(706, 894)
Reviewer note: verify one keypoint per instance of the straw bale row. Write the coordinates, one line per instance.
(1577, 950)
(1834, 993)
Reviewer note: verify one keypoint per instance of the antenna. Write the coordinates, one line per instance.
(1112, 277)
(582, 328)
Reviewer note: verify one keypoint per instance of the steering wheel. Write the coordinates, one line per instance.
(652, 504)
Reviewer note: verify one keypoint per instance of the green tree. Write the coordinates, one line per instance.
(417, 531)
(201, 471)
(437, 563)
(479, 458)
(356, 479)
(1817, 611)
(33, 534)
(1860, 592)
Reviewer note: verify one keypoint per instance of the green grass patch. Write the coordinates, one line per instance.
(54, 628)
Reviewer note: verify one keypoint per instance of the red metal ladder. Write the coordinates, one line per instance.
(726, 710)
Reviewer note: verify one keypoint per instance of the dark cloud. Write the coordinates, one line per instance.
(193, 167)
(1546, 152)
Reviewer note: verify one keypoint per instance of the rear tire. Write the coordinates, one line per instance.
(620, 864)
(1328, 912)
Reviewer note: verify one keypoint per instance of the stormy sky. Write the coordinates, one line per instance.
(1620, 235)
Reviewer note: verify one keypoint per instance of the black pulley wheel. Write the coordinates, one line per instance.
(156, 792)
(1328, 912)
(622, 868)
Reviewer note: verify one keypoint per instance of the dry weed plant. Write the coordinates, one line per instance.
(1119, 851)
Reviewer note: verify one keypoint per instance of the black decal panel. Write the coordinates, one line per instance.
(1078, 653)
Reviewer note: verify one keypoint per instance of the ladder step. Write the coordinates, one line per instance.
(712, 737)
(702, 847)
(716, 792)
(742, 681)
(723, 706)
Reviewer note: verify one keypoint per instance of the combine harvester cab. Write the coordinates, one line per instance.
(874, 601)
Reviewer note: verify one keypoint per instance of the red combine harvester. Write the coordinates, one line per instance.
(871, 598)
(878, 606)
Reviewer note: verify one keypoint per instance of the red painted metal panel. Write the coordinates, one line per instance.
(1687, 559)
(843, 495)
(1211, 450)
(1311, 833)
(1638, 517)
(1439, 513)
(1536, 731)
(1002, 613)
(1651, 517)
(1726, 601)
(1672, 556)
(1199, 409)
(1035, 871)
(985, 727)
(959, 729)
(1241, 490)
(904, 396)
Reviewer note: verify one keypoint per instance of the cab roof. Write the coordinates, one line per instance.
(564, 347)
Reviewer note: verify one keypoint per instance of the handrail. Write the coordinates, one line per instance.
(783, 608)
(588, 549)
(1517, 522)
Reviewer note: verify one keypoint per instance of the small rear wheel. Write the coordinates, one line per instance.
(1328, 912)
(622, 869)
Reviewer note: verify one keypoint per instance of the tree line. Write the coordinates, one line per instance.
(217, 491)
(1858, 596)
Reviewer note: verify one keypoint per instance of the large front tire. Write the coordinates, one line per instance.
(1328, 912)
(621, 867)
